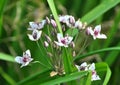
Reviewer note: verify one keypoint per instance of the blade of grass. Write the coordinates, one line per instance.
(104, 67)
(2, 4)
(67, 78)
(6, 57)
(7, 77)
(97, 51)
(99, 10)
(54, 12)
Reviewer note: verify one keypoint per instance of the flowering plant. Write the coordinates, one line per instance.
(58, 35)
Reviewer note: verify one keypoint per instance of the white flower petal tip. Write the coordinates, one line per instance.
(25, 59)
(96, 32)
(63, 41)
(35, 35)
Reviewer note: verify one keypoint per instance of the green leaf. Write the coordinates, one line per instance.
(97, 51)
(6, 57)
(99, 10)
(70, 77)
(2, 4)
(104, 67)
(32, 77)
(7, 77)
(54, 12)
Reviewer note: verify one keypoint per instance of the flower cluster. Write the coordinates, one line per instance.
(84, 67)
(56, 40)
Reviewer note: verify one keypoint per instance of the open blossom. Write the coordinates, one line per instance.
(25, 59)
(35, 35)
(96, 32)
(63, 41)
(84, 67)
(37, 25)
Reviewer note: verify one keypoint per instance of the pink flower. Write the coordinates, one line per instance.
(96, 32)
(63, 41)
(25, 59)
(35, 35)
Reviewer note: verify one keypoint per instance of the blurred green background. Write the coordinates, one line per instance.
(16, 14)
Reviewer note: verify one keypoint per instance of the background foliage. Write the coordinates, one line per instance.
(14, 18)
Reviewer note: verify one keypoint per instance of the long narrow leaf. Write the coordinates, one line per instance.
(97, 51)
(54, 12)
(67, 78)
(99, 10)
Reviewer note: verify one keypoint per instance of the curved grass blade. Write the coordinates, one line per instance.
(99, 10)
(70, 77)
(97, 51)
(104, 67)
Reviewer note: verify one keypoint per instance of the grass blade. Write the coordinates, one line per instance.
(6, 57)
(67, 78)
(54, 12)
(99, 10)
(97, 51)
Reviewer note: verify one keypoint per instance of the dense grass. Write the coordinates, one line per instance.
(14, 18)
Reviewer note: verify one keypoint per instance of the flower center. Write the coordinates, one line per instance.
(96, 33)
(63, 41)
(25, 59)
(35, 35)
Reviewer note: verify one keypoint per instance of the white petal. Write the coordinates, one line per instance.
(92, 66)
(28, 52)
(18, 59)
(58, 43)
(59, 37)
(95, 77)
(98, 28)
(69, 40)
(39, 34)
(33, 25)
(84, 64)
(31, 37)
(102, 36)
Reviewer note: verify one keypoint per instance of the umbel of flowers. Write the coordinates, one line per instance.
(60, 44)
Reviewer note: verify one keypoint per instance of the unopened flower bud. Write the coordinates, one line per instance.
(72, 20)
(88, 30)
(74, 53)
(78, 24)
(84, 25)
(46, 44)
(47, 20)
(63, 27)
(53, 23)
(49, 54)
(48, 38)
(72, 44)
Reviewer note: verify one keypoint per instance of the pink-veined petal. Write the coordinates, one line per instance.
(102, 36)
(18, 59)
(58, 43)
(97, 28)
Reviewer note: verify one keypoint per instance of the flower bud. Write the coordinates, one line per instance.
(48, 38)
(74, 53)
(47, 20)
(46, 44)
(53, 23)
